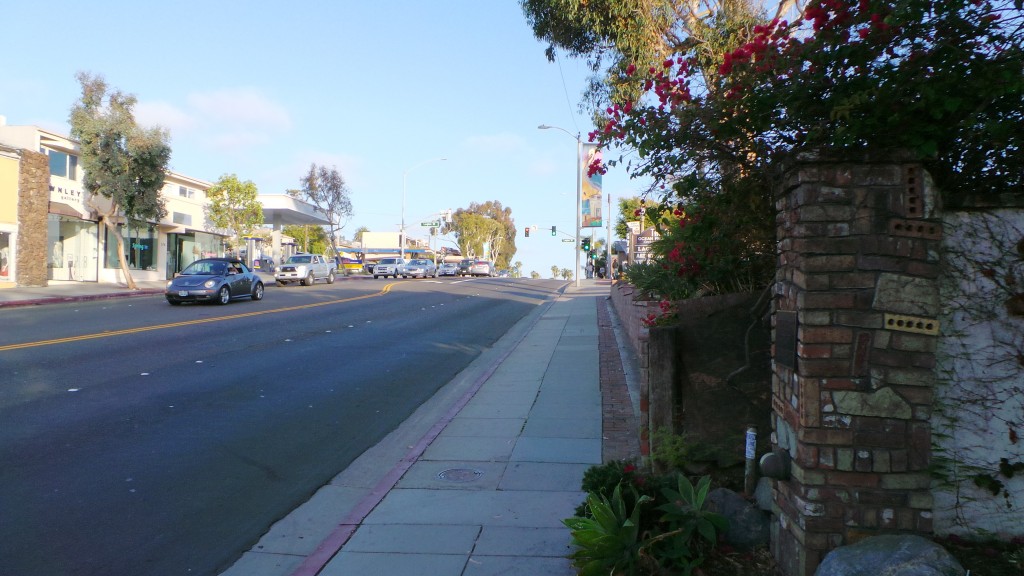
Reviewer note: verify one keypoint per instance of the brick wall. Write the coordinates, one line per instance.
(858, 249)
(683, 368)
(631, 314)
(33, 207)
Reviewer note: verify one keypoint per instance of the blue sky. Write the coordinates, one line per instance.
(376, 89)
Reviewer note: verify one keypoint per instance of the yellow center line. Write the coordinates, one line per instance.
(385, 290)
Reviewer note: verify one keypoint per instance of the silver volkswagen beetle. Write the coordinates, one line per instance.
(219, 280)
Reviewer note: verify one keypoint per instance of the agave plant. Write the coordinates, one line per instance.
(609, 541)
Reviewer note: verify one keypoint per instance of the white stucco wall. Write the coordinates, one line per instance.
(979, 411)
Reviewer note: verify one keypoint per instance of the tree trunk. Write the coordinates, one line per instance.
(112, 226)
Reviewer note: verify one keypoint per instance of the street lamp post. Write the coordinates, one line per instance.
(579, 191)
(405, 183)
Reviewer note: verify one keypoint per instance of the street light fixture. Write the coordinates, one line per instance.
(579, 191)
(405, 183)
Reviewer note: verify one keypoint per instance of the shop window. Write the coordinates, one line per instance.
(73, 248)
(139, 244)
(5, 255)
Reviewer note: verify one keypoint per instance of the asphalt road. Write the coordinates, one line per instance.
(140, 438)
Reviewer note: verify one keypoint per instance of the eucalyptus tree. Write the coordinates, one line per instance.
(234, 207)
(326, 189)
(121, 161)
(491, 224)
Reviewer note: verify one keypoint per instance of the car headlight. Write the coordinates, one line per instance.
(209, 283)
(169, 283)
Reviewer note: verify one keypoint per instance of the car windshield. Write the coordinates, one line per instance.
(299, 259)
(205, 268)
(420, 262)
(389, 261)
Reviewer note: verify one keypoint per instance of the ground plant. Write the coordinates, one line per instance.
(636, 523)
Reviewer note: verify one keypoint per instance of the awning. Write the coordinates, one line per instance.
(65, 210)
(283, 210)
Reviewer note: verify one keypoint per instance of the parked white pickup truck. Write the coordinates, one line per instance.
(307, 269)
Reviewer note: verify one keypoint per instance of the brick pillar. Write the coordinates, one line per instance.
(854, 335)
(33, 208)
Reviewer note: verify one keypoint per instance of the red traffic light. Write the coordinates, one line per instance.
(527, 231)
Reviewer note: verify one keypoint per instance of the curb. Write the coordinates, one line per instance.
(64, 299)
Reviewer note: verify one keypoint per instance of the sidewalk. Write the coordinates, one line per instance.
(67, 291)
(481, 476)
(477, 481)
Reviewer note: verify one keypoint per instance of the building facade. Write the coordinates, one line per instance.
(76, 245)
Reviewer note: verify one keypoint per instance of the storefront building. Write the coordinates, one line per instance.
(77, 246)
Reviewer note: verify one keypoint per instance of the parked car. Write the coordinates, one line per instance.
(219, 280)
(419, 267)
(388, 267)
(448, 269)
(504, 273)
(481, 268)
(464, 267)
(307, 269)
(264, 265)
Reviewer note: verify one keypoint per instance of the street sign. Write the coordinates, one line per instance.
(435, 223)
(573, 240)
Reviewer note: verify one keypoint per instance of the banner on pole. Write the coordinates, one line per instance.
(591, 193)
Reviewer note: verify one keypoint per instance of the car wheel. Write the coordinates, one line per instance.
(281, 283)
(330, 278)
(309, 280)
(224, 296)
(257, 292)
(374, 276)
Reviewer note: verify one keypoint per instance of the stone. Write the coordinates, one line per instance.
(907, 295)
(890, 555)
(884, 403)
(748, 526)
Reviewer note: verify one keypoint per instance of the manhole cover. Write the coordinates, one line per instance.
(460, 474)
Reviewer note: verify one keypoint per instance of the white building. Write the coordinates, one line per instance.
(78, 247)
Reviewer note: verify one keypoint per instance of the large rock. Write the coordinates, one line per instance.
(890, 555)
(748, 525)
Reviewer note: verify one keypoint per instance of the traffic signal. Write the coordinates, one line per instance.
(553, 231)
(586, 245)
(527, 231)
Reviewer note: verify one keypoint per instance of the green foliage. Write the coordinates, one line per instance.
(676, 451)
(326, 189)
(489, 223)
(608, 539)
(691, 529)
(121, 161)
(635, 523)
(234, 207)
(312, 239)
